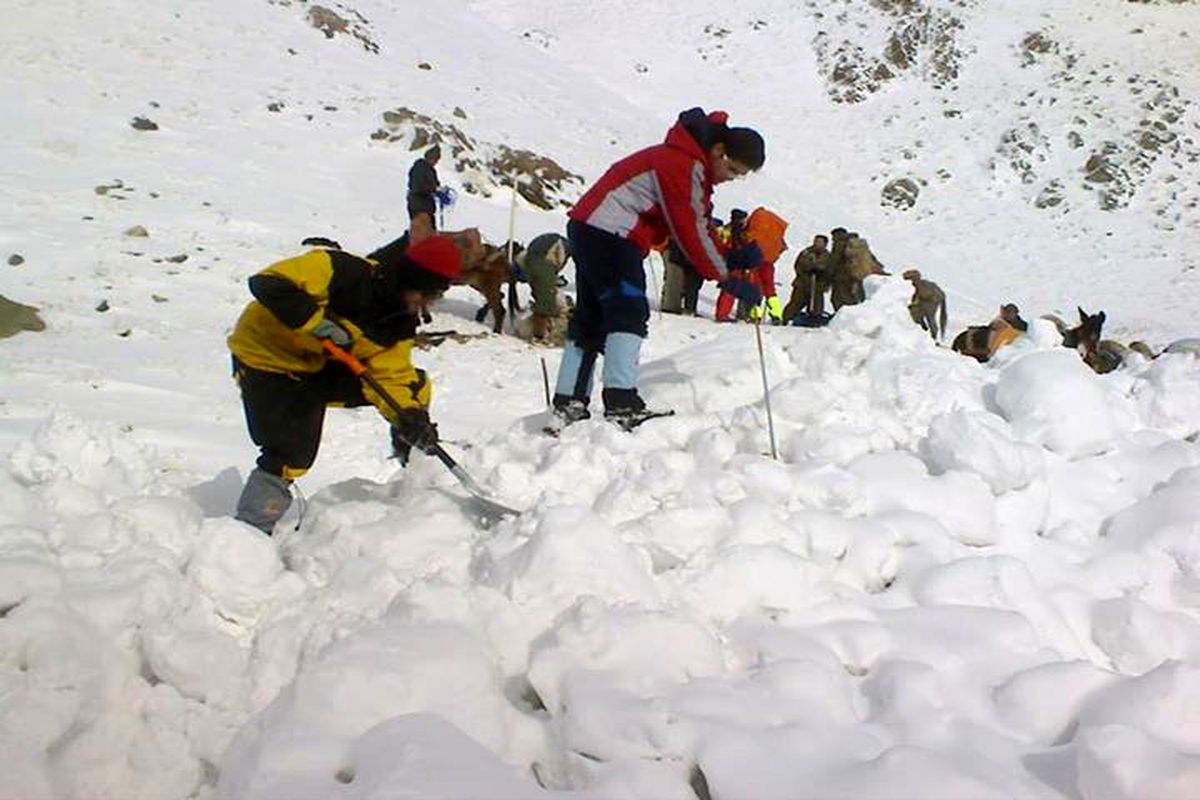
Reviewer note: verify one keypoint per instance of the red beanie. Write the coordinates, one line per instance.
(438, 255)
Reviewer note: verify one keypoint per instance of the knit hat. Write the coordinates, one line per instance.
(437, 255)
(428, 266)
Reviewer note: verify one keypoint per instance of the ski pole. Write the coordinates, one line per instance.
(360, 371)
(762, 363)
(512, 286)
(545, 381)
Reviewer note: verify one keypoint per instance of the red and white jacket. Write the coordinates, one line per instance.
(663, 191)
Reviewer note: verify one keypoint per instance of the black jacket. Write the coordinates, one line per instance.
(422, 183)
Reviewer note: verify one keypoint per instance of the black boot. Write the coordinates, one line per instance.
(626, 408)
(569, 409)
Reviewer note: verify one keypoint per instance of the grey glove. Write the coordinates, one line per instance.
(328, 329)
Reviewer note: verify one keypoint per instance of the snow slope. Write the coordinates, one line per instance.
(956, 581)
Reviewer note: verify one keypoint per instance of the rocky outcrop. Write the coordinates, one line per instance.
(16, 317)
(483, 166)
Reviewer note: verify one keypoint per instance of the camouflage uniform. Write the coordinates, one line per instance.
(810, 284)
(851, 261)
(928, 298)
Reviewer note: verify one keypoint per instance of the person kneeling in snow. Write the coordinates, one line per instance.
(659, 192)
(368, 307)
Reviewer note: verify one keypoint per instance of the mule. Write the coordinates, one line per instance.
(1084, 337)
(982, 341)
(488, 276)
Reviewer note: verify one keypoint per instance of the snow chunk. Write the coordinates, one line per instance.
(573, 553)
(983, 443)
(1053, 399)
(299, 744)
(239, 568)
(1042, 702)
(1163, 703)
(1116, 762)
(642, 652)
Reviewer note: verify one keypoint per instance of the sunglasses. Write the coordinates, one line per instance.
(736, 168)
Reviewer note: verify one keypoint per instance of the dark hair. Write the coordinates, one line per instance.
(434, 152)
(745, 145)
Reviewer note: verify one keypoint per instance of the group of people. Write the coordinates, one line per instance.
(321, 321)
(318, 321)
(821, 269)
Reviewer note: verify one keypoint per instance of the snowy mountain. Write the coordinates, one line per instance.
(956, 581)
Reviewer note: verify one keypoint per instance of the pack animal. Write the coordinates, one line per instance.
(981, 342)
(1084, 337)
(1111, 354)
(488, 276)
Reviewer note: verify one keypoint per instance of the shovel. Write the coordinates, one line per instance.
(490, 508)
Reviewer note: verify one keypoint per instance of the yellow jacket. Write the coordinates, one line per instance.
(294, 295)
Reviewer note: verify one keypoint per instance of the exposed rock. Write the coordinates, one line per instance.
(16, 260)
(103, 306)
(115, 190)
(331, 23)
(483, 166)
(1050, 196)
(137, 230)
(1022, 149)
(900, 193)
(425, 65)
(177, 259)
(921, 41)
(1035, 45)
(143, 124)
(16, 317)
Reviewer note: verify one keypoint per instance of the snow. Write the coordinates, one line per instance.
(958, 580)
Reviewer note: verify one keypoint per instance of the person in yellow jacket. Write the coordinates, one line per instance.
(369, 306)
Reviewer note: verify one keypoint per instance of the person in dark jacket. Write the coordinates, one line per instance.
(367, 307)
(422, 186)
(660, 192)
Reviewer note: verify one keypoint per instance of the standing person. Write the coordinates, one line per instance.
(674, 275)
(541, 262)
(767, 229)
(365, 306)
(841, 282)
(928, 304)
(692, 280)
(733, 235)
(850, 263)
(811, 281)
(423, 184)
(663, 190)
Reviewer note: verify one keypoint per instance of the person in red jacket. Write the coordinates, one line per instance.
(659, 192)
